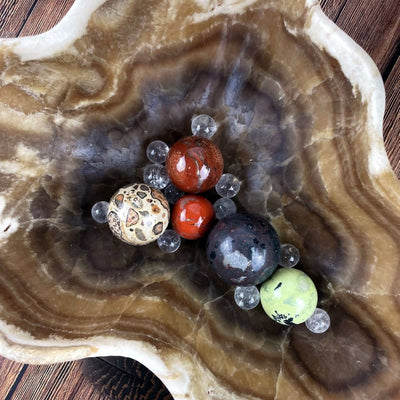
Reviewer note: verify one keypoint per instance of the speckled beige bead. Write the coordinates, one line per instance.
(138, 214)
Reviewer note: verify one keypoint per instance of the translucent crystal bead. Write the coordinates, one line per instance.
(99, 212)
(289, 256)
(169, 241)
(204, 125)
(319, 322)
(157, 151)
(247, 297)
(156, 176)
(228, 186)
(224, 207)
(172, 193)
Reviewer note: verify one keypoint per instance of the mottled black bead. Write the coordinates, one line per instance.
(243, 249)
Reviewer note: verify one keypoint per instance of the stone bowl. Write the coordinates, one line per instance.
(299, 108)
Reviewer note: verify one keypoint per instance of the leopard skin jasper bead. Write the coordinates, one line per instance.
(138, 214)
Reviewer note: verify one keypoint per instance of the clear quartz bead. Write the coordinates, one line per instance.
(169, 241)
(247, 297)
(156, 176)
(224, 207)
(172, 193)
(319, 322)
(228, 186)
(99, 212)
(157, 151)
(289, 256)
(204, 125)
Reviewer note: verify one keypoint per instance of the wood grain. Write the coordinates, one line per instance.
(391, 125)
(10, 374)
(13, 16)
(333, 8)
(118, 377)
(92, 379)
(45, 14)
(375, 25)
(56, 381)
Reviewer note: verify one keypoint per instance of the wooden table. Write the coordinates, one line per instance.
(374, 24)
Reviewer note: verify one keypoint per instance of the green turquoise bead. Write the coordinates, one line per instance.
(289, 296)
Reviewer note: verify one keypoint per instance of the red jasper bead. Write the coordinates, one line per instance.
(194, 164)
(192, 216)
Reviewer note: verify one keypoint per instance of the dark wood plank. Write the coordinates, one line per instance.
(63, 381)
(332, 8)
(391, 125)
(45, 14)
(375, 26)
(9, 373)
(13, 15)
(121, 378)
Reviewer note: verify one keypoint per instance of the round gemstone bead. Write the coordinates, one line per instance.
(138, 214)
(194, 164)
(156, 176)
(172, 193)
(289, 256)
(319, 322)
(224, 207)
(243, 249)
(192, 216)
(228, 186)
(289, 296)
(203, 125)
(99, 212)
(247, 297)
(169, 241)
(157, 151)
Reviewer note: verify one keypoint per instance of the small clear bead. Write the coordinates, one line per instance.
(99, 212)
(204, 125)
(172, 193)
(169, 241)
(247, 297)
(157, 151)
(156, 176)
(289, 256)
(224, 207)
(228, 186)
(319, 322)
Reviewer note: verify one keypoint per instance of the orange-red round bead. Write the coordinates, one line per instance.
(192, 216)
(194, 164)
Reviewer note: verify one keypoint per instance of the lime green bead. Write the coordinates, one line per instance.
(289, 296)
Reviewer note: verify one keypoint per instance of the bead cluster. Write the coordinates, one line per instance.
(242, 249)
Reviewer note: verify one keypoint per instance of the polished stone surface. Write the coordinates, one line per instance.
(289, 296)
(192, 216)
(299, 111)
(138, 214)
(194, 164)
(243, 249)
